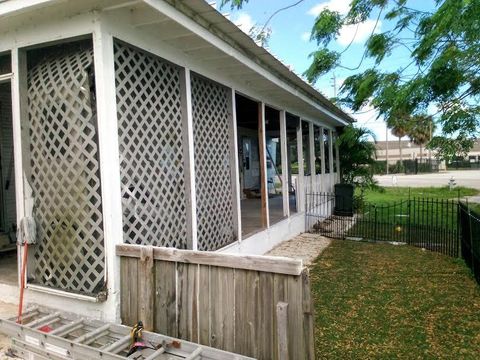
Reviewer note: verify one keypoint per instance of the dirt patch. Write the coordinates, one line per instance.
(306, 247)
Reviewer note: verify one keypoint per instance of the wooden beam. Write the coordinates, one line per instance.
(322, 156)
(282, 330)
(146, 286)
(263, 164)
(337, 159)
(284, 154)
(273, 264)
(330, 159)
(108, 150)
(235, 167)
(301, 169)
(311, 146)
(189, 156)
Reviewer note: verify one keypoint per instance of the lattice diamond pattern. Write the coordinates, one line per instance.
(65, 172)
(151, 149)
(211, 122)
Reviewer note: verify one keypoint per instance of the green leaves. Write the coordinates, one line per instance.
(326, 27)
(378, 46)
(357, 151)
(323, 61)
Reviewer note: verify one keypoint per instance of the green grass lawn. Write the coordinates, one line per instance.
(390, 194)
(379, 301)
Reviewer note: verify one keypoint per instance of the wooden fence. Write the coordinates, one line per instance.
(251, 305)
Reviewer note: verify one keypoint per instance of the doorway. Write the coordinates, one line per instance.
(8, 216)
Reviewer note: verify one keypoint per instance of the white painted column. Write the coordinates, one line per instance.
(322, 155)
(337, 159)
(301, 170)
(283, 145)
(188, 154)
(108, 148)
(237, 211)
(19, 115)
(330, 158)
(311, 160)
(263, 164)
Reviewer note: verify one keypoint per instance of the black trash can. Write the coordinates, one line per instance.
(343, 200)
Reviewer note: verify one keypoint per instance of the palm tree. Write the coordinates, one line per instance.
(420, 131)
(357, 153)
(399, 129)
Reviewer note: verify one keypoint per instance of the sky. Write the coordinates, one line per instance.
(290, 42)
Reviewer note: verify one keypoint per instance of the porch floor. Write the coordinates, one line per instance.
(8, 268)
(252, 217)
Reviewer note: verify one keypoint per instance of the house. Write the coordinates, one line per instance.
(153, 122)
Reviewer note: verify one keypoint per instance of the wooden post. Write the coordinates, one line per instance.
(263, 164)
(146, 288)
(188, 154)
(311, 146)
(235, 168)
(284, 152)
(282, 330)
(20, 138)
(337, 159)
(108, 150)
(301, 170)
(330, 159)
(322, 156)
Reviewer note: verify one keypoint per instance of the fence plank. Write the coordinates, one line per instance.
(222, 304)
(282, 330)
(204, 313)
(146, 284)
(166, 298)
(272, 264)
(187, 305)
(246, 303)
(296, 343)
(266, 313)
(308, 325)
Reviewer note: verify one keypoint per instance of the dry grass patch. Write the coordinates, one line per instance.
(393, 302)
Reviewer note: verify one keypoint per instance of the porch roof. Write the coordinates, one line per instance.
(198, 29)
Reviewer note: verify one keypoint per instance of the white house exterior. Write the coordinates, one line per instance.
(130, 122)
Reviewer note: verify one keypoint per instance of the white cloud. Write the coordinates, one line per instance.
(305, 36)
(348, 32)
(341, 6)
(245, 22)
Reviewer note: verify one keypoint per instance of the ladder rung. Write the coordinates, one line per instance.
(118, 345)
(67, 328)
(194, 354)
(155, 354)
(92, 335)
(41, 321)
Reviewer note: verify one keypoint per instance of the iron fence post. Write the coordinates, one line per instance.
(375, 224)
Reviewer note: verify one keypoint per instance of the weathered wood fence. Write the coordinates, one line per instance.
(251, 305)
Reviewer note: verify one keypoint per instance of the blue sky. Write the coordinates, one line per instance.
(290, 41)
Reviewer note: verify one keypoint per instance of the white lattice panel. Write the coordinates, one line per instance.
(151, 149)
(65, 170)
(213, 181)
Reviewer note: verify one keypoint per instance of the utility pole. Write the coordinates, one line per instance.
(334, 83)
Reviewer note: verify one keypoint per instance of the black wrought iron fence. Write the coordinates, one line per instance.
(423, 222)
(470, 239)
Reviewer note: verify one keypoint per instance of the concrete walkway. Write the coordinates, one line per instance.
(306, 247)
